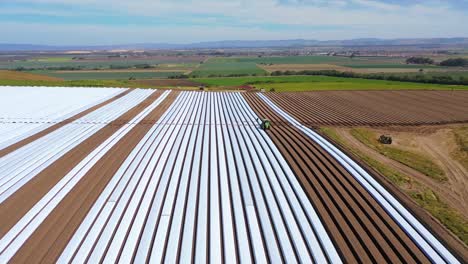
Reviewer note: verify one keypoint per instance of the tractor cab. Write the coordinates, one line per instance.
(265, 124)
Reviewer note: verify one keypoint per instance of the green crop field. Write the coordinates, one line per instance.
(117, 75)
(226, 67)
(311, 83)
(51, 59)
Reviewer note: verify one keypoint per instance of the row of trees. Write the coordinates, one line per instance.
(456, 62)
(419, 60)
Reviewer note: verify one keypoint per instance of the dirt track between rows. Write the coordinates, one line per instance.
(48, 130)
(360, 228)
(26, 197)
(437, 145)
(374, 108)
(49, 240)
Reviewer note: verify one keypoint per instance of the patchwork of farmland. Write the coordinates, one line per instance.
(131, 175)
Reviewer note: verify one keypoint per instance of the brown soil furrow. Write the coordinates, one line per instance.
(27, 196)
(48, 130)
(360, 228)
(49, 240)
(375, 108)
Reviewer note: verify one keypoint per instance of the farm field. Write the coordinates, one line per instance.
(109, 75)
(51, 59)
(321, 59)
(427, 148)
(303, 67)
(23, 76)
(301, 158)
(166, 175)
(388, 68)
(312, 83)
(278, 83)
(102, 63)
(376, 108)
(168, 83)
(357, 64)
(226, 67)
(18, 122)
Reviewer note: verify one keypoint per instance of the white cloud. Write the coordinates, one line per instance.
(251, 19)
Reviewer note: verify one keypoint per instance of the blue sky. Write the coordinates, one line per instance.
(90, 22)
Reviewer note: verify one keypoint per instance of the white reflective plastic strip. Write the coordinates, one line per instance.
(196, 182)
(188, 234)
(20, 166)
(34, 109)
(16, 237)
(226, 210)
(97, 218)
(178, 214)
(267, 201)
(317, 225)
(242, 198)
(420, 235)
(281, 183)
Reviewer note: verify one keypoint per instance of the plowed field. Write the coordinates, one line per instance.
(374, 108)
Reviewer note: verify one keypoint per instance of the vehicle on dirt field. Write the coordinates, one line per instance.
(385, 139)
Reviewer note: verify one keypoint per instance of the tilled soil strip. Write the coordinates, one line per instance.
(48, 241)
(360, 228)
(376, 108)
(27, 196)
(50, 129)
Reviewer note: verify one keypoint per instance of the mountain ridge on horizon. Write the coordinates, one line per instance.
(226, 44)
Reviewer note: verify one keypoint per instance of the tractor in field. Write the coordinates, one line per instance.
(265, 124)
(385, 139)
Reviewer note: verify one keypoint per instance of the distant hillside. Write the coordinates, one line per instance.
(247, 44)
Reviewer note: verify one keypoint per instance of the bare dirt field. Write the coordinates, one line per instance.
(375, 108)
(434, 200)
(168, 83)
(24, 76)
(436, 142)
